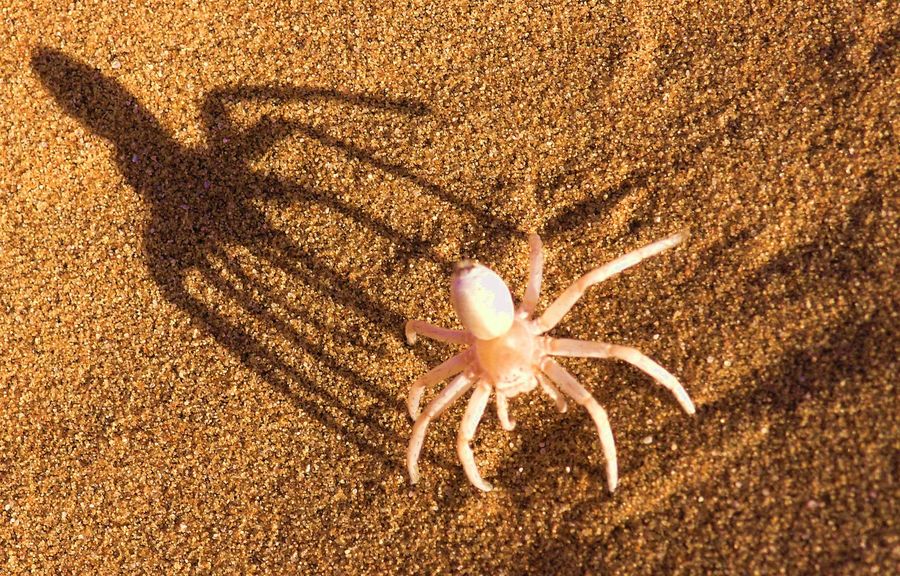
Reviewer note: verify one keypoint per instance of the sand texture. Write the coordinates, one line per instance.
(215, 218)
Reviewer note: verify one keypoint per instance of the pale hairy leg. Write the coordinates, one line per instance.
(570, 386)
(448, 395)
(587, 349)
(535, 273)
(506, 422)
(570, 296)
(471, 418)
(416, 327)
(551, 391)
(446, 369)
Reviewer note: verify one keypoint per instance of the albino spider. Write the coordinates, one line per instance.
(507, 353)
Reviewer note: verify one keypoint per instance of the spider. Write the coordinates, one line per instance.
(507, 352)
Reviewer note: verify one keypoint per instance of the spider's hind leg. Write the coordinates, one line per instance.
(416, 327)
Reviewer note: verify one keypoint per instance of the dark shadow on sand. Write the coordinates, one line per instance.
(202, 200)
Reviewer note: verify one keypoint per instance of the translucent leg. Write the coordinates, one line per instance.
(585, 349)
(570, 386)
(503, 413)
(551, 391)
(472, 417)
(570, 296)
(442, 371)
(448, 396)
(535, 272)
(415, 327)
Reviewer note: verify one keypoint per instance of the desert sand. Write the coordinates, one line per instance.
(217, 216)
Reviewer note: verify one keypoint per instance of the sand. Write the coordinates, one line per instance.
(216, 218)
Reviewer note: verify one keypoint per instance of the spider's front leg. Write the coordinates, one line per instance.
(587, 349)
(448, 396)
(551, 391)
(442, 371)
(570, 386)
(471, 418)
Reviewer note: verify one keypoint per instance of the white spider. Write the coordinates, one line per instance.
(507, 353)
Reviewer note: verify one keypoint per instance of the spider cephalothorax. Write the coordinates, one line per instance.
(507, 353)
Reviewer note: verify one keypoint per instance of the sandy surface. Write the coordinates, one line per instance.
(216, 217)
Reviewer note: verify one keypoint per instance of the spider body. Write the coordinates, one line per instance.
(508, 361)
(507, 354)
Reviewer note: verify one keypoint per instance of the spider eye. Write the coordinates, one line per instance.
(481, 300)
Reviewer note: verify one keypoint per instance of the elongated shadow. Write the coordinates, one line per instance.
(202, 200)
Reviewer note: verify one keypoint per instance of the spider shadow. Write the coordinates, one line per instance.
(202, 200)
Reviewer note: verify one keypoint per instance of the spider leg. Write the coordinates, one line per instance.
(472, 417)
(416, 327)
(551, 391)
(506, 422)
(586, 349)
(442, 371)
(535, 272)
(569, 385)
(570, 296)
(448, 395)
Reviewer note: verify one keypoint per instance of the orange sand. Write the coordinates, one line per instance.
(217, 216)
